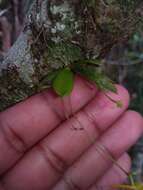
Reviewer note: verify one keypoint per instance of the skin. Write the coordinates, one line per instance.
(38, 144)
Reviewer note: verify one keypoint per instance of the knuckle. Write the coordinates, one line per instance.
(122, 91)
(126, 162)
(12, 138)
(70, 184)
(76, 123)
(52, 158)
(92, 119)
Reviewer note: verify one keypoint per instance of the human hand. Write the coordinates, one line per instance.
(41, 150)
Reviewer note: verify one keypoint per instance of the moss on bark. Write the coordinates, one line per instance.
(57, 33)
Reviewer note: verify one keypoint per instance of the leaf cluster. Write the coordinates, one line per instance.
(94, 74)
(64, 53)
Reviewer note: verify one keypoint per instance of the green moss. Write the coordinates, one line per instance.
(62, 53)
(12, 88)
(73, 30)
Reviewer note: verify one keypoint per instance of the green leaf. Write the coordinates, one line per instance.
(129, 187)
(104, 83)
(63, 82)
(93, 62)
(95, 75)
(47, 80)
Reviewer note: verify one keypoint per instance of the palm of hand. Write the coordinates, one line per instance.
(40, 150)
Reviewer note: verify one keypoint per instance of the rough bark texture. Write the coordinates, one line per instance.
(57, 33)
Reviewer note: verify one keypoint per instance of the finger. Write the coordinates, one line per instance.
(96, 161)
(104, 111)
(26, 123)
(115, 175)
(1, 188)
(68, 143)
(58, 151)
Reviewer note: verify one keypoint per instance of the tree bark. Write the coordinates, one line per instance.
(86, 29)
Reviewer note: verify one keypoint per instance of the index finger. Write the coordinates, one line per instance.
(28, 122)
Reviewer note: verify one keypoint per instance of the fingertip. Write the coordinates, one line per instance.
(121, 95)
(103, 109)
(82, 83)
(137, 119)
(115, 175)
(125, 162)
(120, 170)
(124, 133)
(82, 93)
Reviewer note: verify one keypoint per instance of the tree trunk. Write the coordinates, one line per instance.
(80, 28)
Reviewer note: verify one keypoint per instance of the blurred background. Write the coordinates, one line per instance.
(124, 61)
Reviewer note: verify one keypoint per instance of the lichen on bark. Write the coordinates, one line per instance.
(58, 33)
